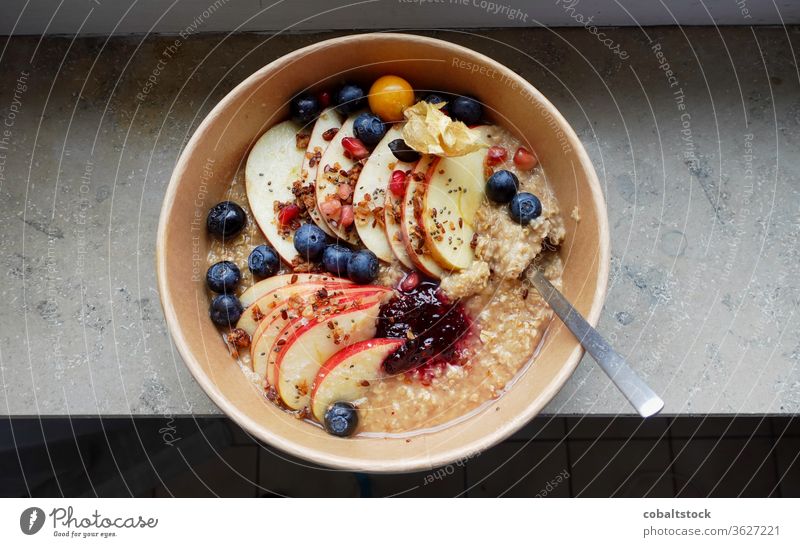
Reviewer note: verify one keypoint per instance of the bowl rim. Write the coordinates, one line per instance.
(398, 464)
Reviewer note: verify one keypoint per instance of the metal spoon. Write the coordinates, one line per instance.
(643, 399)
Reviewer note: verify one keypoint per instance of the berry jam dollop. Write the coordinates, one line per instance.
(434, 329)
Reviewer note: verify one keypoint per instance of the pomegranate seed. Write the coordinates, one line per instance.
(355, 148)
(324, 99)
(497, 154)
(288, 214)
(332, 209)
(409, 282)
(397, 185)
(344, 191)
(524, 159)
(347, 216)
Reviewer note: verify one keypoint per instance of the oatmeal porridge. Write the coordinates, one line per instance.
(367, 267)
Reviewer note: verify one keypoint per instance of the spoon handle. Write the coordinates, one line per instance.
(643, 399)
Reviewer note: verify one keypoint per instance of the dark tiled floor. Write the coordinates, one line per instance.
(787, 458)
(227, 473)
(550, 457)
(521, 469)
(628, 467)
(719, 427)
(614, 428)
(545, 428)
(449, 481)
(282, 475)
(725, 467)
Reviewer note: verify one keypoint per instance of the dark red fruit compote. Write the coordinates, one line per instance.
(435, 329)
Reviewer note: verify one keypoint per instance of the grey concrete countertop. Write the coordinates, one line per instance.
(694, 132)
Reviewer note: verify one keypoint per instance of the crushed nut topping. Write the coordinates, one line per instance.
(258, 315)
(237, 339)
(301, 140)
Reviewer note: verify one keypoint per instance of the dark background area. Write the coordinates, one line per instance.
(558, 457)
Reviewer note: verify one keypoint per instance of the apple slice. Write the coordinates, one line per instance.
(269, 284)
(353, 299)
(347, 375)
(411, 221)
(312, 344)
(329, 122)
(288, 312)
(329, 176)
(264, 336)
(392, 220)
(273, 166)
(255, 312)
(370, 195)
(454, 191)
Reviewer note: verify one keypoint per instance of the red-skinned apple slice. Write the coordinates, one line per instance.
(454, 190)
(269, 284)
(255, 312)
(347, 375)
(329, 121)
(393, 221)
(370, 195)
(332, 163)
(263, 351)
(264, 336)
(309, 346)
(411, 221)
(273, 166)
(354, 299)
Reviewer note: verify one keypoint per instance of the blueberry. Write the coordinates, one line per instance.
(362, 267)
(223, 277)
(434, 98)
(225, 310)
(466, 109)
(403, 152)
(502, 186)
(309, 240)
(225, 219)
(335, 258)
(304, 108)
(349, 99)
(341, 419)
(263, 261)
(369, 129)
(525, 207)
